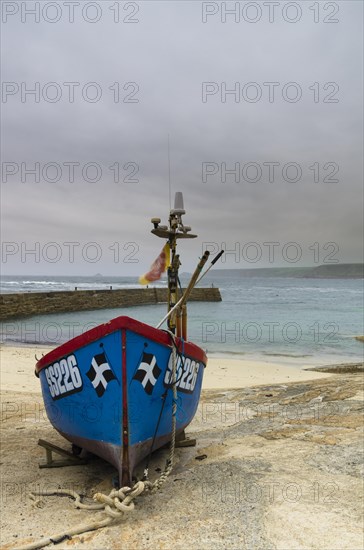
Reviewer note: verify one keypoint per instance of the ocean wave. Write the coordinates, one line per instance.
(223, 353)
(297, 356)
(40, 286)
(327, 289)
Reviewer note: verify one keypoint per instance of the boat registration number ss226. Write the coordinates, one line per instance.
(187, 371)
(63, 377)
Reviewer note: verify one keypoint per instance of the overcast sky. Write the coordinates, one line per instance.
(139, 73)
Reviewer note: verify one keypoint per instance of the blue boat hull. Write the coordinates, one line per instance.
(109, 390)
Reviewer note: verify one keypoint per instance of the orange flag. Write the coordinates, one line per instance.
(158, 267)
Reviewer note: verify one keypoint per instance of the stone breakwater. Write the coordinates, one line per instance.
(37, 303)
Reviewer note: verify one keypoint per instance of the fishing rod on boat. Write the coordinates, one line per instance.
(194, 280)
(189, 288)
(217, 257)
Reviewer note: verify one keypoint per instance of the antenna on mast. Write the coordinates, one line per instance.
(172, 232)
(177, 312)
(176, 228)
(169, 176)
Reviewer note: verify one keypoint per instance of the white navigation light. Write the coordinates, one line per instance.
(178, 204)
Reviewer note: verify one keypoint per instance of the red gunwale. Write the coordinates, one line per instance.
(123, 322)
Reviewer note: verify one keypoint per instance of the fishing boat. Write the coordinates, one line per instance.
(113, 389)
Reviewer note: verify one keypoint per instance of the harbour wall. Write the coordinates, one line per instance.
(36, 303)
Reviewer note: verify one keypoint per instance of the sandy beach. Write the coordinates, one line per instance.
(17, 371)
(277, 465)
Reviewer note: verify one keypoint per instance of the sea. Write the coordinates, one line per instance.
(295, 321)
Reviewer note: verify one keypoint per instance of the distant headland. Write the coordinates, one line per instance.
(325, 271)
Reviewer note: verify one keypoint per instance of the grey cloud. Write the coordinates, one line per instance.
(169, 53)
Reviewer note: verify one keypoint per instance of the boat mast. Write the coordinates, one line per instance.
(175, 230)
